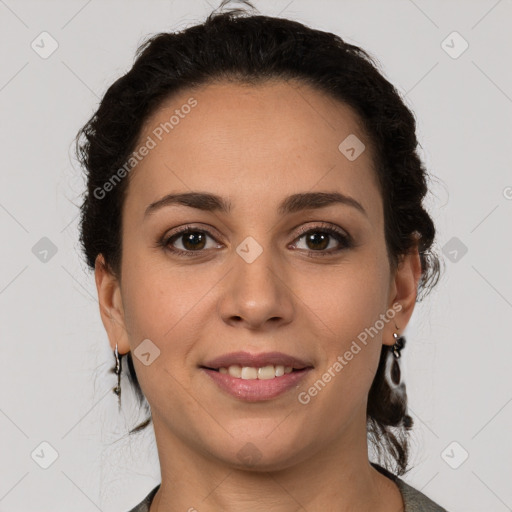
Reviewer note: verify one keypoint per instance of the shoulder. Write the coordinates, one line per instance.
(415, 501)
(144, 505)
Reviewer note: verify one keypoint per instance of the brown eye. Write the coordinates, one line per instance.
(190, 240)
(318, 240)
(193, 240)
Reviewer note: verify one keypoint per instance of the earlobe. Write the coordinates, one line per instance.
(111, 306)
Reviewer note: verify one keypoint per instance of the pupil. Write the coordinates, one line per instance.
(189, 239)
(322, 237)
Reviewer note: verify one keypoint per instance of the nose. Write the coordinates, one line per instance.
(256, 295)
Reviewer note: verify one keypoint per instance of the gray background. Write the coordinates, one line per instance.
(55, 386)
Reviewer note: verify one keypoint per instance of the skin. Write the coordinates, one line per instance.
(256, 145)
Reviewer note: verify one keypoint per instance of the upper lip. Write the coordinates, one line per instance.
(256, 360)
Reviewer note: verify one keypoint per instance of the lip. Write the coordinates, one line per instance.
(256, 360)
(256, 390)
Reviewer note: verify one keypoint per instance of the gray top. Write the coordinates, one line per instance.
(414, 500)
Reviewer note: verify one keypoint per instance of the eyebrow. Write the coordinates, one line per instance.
(292, 204)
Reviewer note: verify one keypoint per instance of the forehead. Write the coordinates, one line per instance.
(252, 141)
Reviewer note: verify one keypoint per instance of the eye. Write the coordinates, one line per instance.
(192, 240)
(319, 238)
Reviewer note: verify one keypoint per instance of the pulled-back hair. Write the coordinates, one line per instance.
(236, 45)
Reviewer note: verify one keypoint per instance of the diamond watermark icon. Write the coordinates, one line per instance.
(351, 147)
(249, 249)
(454, 455)
(249, 454)
(454, 45)
(146, 352)
(44, 45)
(44, 455)
(44, 250)
(454, 249)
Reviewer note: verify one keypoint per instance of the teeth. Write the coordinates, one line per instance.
(235, 371)
(266, 372)
(251, 373)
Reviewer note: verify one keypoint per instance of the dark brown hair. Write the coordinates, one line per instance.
(249, 48)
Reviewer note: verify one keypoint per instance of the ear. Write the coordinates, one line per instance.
(403, 294)
(111, 305)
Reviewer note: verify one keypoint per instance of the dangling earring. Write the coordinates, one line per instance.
(395, 372)
(117, 371)
(399, 345)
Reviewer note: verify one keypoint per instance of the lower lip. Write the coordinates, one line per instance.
(256, 390)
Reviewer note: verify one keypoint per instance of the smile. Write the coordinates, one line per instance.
(251, 372)
(256, 377)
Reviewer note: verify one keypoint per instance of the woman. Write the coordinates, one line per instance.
(254, 219)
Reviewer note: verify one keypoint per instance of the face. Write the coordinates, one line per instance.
(269, 283)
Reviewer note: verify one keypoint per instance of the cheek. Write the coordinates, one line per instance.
(347, 298)
(168, 306)
(158, 306)
(347, 304)
(156, 295)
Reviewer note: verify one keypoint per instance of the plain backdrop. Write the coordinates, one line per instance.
(57, 408)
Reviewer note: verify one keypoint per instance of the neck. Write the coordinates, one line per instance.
(339, 474)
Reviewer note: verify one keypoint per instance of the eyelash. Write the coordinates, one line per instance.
(344, 239)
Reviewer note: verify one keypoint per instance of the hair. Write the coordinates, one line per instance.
(235, 45)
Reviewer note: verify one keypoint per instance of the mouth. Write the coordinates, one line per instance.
(257, 377)
(252, 372)
(267, 365)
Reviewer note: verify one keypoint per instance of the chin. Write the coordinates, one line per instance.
(259, 454)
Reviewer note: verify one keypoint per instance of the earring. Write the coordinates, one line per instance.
(399, 345)
(117, 371)
(394, 371)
